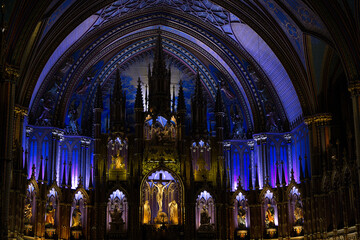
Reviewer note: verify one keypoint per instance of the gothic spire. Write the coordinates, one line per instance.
(198, 89)
(118, 106)
(139, 97)
(159, 82)
(118, 92)
(181, 99)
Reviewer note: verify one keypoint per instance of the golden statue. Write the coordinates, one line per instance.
(298, 214)
(160, 191)
(241, 217)
(76, 217)
(173, 206)
(117, 162)
(147, 213)
(49, 215)
(270, 216)
(27, 213)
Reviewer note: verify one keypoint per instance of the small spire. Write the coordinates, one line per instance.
(33, 171)
(198, 87)
(239, 186)
(139, 97)
(98, 97)
(80, 181)
(41, 169)
(55, 176)
(292, 175)
(181, 99)
(118, 93)
(64, 174)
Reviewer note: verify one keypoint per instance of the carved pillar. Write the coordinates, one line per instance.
(319, 138)
(252, 165)
(354, 88)
(287, 137)
(262, 157)
(8, 79)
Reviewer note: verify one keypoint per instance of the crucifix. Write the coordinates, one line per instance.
(160, 189)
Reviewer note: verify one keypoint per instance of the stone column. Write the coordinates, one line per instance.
(354, 88)
(252, 164)
(287, 137)
(8, 79)
(319, 136)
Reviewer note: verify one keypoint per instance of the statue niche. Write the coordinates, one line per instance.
(161, 199)
(205, 212)
(117, 212)
(117, 155)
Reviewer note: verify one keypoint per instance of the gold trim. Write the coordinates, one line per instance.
(12, 71)
(321, 118)
(20, 111)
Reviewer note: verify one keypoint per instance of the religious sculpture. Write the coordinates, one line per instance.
(76, 217)
(173, 206)
(241, 217)
(116, 219)
(49, 215)
(74, 115)
(116, 215)
(117, 162)
(298, 214)
(270, 216)
(204, 216)
(160, 190)
(27, 213)
(147, 213)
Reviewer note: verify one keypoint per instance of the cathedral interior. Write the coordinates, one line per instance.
(180, 119)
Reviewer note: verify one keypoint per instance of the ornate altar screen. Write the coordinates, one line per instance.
(161, 199)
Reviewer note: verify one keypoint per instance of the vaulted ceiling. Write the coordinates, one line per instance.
(265, 55)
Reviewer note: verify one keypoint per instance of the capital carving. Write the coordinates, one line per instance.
(318, 119)
(20, 112)
(251, 144)
(11, 72)
(354, 88)
(287, 137)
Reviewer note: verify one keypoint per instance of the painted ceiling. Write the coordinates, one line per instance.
(205, 36)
